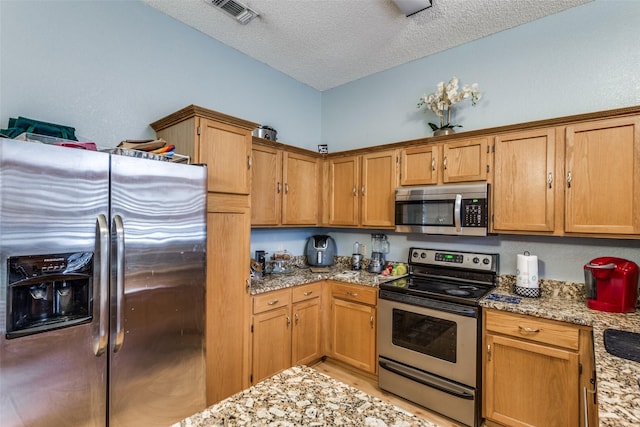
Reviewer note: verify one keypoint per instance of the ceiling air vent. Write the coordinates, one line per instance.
(238, 11)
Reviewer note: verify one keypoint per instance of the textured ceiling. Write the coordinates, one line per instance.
(326, 43)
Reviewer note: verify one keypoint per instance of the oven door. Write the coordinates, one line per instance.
(441, 340)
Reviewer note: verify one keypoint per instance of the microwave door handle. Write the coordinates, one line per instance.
(457, 209)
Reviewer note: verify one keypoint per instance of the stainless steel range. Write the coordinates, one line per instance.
(429, 327)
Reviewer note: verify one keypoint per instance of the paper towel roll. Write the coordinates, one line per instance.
(527, 271)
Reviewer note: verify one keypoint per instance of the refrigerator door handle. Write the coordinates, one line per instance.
(102, 247)
(119, 258)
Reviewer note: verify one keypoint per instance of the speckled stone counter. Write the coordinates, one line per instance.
(617, 378)
(302, 396)
(301, 274)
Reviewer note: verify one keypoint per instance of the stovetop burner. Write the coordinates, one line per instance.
(461, 277)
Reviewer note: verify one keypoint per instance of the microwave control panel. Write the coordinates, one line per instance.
(474, 213)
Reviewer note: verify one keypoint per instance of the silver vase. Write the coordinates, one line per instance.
(443, 131)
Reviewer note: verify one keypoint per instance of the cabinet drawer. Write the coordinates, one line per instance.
(305, 292)
(271, 300)
(533, 329)
(362, 294)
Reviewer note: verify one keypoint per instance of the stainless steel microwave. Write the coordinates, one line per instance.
(451, 209)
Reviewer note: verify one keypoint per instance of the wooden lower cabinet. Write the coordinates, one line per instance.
(352, 325)
(306, 334)
(536, 371)
(286, 329)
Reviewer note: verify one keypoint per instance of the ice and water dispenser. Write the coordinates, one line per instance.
(48, 292)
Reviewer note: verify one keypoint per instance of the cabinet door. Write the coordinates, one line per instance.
(266, 185)
(306, 336)
(271, 343)
(530, 384)
(378, 189)
(420, 165)
(226, 150)
(465, 160)
(523, 184)
(603, 177)
(344, 190)
(227, 300)
(300, 200)
(353, 334)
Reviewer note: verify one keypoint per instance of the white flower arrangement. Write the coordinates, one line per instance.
(445, 97)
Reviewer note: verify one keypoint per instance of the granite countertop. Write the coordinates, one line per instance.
(301, 274)
(302, 396)
(616, 378)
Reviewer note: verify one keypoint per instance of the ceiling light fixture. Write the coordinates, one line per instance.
(411, 7)
(238, 11)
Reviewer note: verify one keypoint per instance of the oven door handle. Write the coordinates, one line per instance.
(460, 394)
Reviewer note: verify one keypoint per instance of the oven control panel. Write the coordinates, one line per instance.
(454, 259)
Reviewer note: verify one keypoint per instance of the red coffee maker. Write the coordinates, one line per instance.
(611, 284)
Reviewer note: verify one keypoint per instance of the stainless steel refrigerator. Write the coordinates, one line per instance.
(102, 269)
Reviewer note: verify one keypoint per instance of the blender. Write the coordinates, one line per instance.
(379, 250)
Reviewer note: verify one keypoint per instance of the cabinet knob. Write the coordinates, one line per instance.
(444, 162)
(433, 164)
(297, 318)
(279, 188)
(363, 190)
(272, 302)
(288, 321)
(352, 294)
(248, 162)
(286, 188)
(371, 322)
(306, 294)
(355, 191)
(569, 179)
(549, 179)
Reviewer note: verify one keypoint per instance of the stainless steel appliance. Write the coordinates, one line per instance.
(379, 251)
(102, 293)
(321, 249)
(452, 209)
(429, 327)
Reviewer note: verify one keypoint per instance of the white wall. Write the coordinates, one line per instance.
(109, 68)
(582, 60)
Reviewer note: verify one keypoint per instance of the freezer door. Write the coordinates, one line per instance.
(158, 212)
(50, 199)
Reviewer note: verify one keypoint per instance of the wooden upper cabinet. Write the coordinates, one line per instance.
(524, 186)
(266, 186)
(285, 188)
(602, 164)
(227, 152)
(465, 160)
(301, 189)
(420, 165)
(344, 187)
(220, 141)
(378, 186)
(362, 189)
